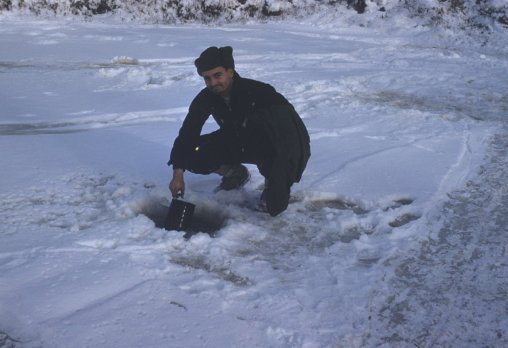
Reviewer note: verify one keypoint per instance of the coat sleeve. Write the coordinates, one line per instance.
(190, 131)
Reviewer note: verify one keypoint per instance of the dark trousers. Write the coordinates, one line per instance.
(220, 148)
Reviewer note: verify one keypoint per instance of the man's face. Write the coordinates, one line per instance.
(219, 80)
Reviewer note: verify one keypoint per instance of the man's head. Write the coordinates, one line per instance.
(216, 66)
(213, 57)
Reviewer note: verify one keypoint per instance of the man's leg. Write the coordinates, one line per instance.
(214, 153)
(234, 176)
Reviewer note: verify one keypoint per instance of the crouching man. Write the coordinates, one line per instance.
(257, 125)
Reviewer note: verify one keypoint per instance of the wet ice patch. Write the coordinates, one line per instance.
(404, 219)
(202, 263)
(339, 204)
(86, 121)
(308, 226)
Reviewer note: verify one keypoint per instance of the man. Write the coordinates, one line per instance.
(257, 125)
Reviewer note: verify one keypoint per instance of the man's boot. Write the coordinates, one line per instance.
(234, 176)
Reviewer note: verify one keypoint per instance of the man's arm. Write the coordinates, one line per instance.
(189, 132)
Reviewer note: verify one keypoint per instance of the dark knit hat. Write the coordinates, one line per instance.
(213, 57)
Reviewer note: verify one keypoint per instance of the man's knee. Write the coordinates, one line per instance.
(210, 152)
(202, 162)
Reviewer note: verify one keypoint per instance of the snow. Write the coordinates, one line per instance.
(407, 132)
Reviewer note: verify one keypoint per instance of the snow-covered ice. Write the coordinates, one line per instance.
(393, 236)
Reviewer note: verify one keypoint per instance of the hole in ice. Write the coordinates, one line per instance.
(207, 218)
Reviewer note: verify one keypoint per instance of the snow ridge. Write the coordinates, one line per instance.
(463, 14)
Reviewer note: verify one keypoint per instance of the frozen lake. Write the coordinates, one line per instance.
(395, 237)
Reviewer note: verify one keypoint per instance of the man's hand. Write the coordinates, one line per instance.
(177, 184)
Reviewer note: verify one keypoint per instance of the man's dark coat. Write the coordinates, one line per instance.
(247, 96)
(253, 107)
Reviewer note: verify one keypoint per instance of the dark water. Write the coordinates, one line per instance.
(205, 219)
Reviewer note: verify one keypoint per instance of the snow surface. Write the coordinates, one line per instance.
(395, 236)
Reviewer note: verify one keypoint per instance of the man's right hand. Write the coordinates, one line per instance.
(177, 184)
